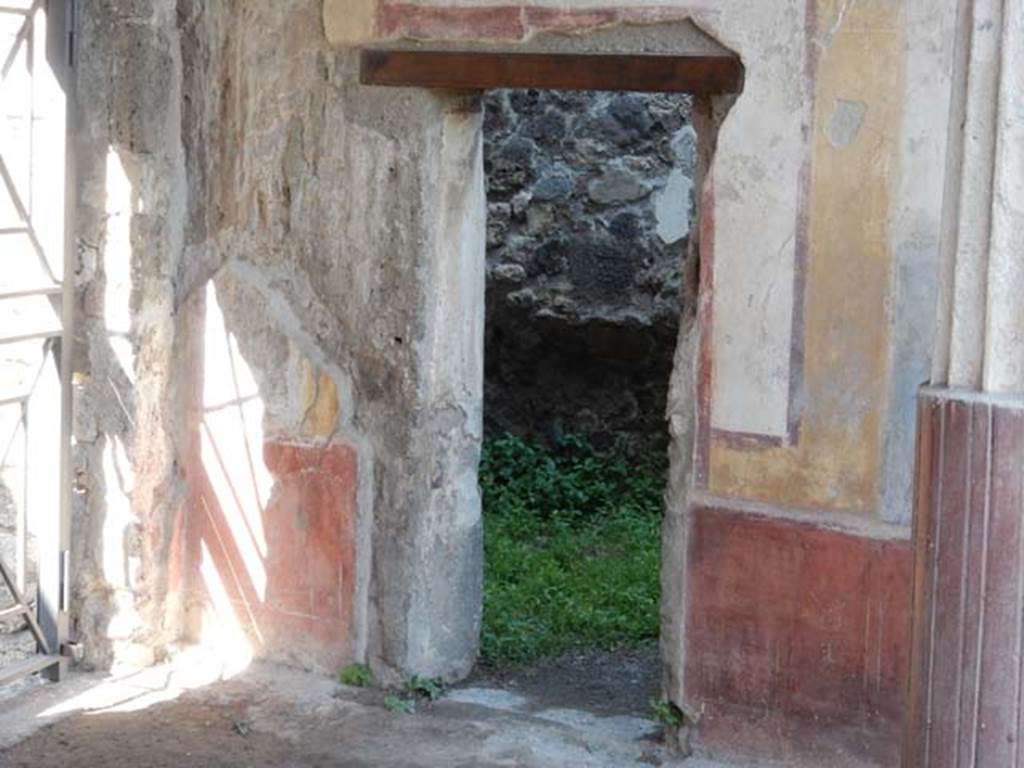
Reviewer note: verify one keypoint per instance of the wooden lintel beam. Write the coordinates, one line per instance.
(482, 70)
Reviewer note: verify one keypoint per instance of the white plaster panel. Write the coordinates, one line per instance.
(756, 176)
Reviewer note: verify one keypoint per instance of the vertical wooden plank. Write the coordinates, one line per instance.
(929, 416)
(946, 672)
(977, 548)
(967, 674)
(932, 576)
(999, 688)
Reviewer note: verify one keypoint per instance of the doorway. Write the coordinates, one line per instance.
(711, 75)
(589, 279)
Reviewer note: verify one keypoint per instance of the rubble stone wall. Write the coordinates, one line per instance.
(589, 211)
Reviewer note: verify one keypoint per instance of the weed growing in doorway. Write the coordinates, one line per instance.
(572, 548)
(429, 688)
(358, 675)
(668, 714)
(398, 705)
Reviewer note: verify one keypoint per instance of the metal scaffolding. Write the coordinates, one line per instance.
(36, 294)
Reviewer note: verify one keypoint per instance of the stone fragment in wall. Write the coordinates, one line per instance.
(672, 207)
(625, 226)
(550, 258)
(552, 186)
(597, 268)
(630, 111)
(539, 218)
(509, 273)
(684, 150)
(521, 202)
(548, 128)
(617, 186)
(512, 166)
(498, 215)
(524, 298)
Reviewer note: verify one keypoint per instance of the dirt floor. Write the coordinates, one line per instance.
(605, 683)
(585, 711)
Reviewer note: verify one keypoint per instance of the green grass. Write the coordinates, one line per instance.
(358, 675)
(399, 705)
(572, 549)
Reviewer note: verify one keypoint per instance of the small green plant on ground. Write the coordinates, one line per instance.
(572, 548)
(430, 688)
(667, 713)
(358, 675)
(399, 705)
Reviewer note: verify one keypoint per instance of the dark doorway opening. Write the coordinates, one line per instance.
(589, 273)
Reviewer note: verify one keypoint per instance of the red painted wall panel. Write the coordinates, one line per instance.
(795, 619)
(296, 602)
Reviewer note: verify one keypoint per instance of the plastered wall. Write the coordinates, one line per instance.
(813, 337)
(816, 325)
(302, 355)
(260, 227)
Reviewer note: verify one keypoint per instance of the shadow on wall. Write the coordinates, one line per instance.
(270, 542)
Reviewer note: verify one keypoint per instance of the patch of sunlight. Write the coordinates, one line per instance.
(221, 629)
(233, 434)
(134, 690)
(119, 479)
(117, 252)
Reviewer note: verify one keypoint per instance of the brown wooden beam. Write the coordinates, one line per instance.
(482, 70)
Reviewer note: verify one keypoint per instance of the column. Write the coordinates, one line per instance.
(967, 666)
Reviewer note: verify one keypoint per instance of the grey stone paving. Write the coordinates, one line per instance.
(469, 727)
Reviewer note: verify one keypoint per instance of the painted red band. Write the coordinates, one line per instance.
(797, 620)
